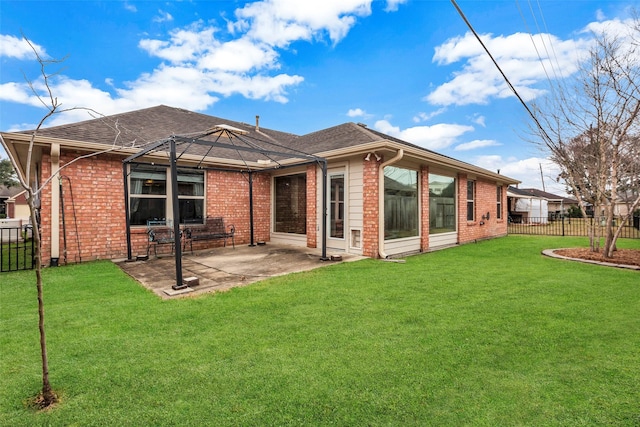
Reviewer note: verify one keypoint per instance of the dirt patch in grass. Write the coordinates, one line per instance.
(621, 256)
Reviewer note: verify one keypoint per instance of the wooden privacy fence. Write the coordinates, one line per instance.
(570, 226)
(17, 248)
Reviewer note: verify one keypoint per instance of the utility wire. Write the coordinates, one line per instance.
(506, 79)
(533, 42)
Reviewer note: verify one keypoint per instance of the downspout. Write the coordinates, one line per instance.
(392, 160)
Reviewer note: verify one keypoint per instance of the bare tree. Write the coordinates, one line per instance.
(47, 396)
(592, 129)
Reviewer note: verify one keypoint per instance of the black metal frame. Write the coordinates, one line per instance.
(250, 147)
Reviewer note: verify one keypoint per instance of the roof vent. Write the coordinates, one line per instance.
(362, 125)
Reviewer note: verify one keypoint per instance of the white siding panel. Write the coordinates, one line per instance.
(356, 203)
(443, 239)
(402, 246)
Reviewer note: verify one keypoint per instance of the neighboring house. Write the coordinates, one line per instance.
(381, 196)
(7, 193)
(623, 202)
(536, 206)
(17, 207)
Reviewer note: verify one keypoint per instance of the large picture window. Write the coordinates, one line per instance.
(400, 203)
(150, 195)
(291, 204)
(442, 204)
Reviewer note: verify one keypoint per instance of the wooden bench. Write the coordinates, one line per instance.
(212, 229)
(160, 233)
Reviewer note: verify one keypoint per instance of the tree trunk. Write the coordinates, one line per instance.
(48, 397)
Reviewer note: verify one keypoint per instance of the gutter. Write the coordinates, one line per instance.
(392, 160)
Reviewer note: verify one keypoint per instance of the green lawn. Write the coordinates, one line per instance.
(486, 334)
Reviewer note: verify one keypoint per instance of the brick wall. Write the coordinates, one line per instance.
(312, 208)
(93, 197)
(485, 201)
(261, 207)
(370, 194)
(424, 213)
(93, 194)
(228, 197)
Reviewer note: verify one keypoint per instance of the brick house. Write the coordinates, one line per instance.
(383, 196)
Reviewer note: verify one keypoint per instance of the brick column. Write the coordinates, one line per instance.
(312, 206)
(370, 196)
(463, 225)
(424, 211)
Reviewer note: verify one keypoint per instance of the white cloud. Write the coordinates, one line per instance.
(479, 120)
(526, 170)
(392, 5)
(280, 22)
(479, 81)
(200, 63)
(15, 47)
(356, 112)
(478, 143)
(130, 7)
(434, 137)
(183, 45)
(162, 16)
(240, 56)
(423, 117)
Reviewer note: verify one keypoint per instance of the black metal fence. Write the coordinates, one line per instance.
(17, 249)
(570, 226)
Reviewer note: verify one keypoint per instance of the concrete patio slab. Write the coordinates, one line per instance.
(221, 269)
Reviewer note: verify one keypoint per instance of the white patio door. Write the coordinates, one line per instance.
(337, 209)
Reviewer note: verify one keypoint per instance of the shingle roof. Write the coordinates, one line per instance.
(150, 124)
(6, 192)
(142, 127)
(527, 192)
(139, 128)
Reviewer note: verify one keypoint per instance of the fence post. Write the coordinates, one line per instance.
(562, 216)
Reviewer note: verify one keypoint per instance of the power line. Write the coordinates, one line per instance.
(504, 76)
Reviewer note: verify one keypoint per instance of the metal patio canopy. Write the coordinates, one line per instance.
(249, 146)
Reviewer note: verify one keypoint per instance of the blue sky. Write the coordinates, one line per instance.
(408, 68)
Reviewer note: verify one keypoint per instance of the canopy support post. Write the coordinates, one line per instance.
(126, 209)
(176, 217)
(323, 164)
(251, 207)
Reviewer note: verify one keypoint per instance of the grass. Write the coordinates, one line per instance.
(482, 334)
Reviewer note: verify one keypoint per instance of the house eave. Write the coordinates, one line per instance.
(418, 155)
